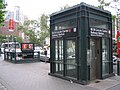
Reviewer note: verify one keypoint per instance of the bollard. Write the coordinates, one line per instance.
(118, 67)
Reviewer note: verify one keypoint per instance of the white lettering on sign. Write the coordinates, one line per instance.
(99, 32)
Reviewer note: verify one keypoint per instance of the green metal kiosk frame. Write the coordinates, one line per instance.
(81, 44)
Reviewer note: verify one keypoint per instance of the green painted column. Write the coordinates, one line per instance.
(83, 48)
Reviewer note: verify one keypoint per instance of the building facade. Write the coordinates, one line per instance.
(81, 44)
(18, 18)
(4, 30)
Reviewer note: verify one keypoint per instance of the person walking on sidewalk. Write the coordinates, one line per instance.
(45, 53)
(0, 51)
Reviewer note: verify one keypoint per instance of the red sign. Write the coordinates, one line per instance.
(11, 25)
(118, 43)
(27, 46)
(24, 46)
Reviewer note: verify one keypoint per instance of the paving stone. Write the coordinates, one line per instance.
(34, 76)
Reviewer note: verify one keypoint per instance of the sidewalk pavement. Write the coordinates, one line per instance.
(34, 76)
(2, 87)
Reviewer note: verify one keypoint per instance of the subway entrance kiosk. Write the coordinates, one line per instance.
(81, 44)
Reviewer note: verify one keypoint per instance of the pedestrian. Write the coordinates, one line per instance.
(45, 53)
(0, 51)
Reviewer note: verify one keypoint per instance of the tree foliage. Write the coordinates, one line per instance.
(42, 24)
(2, 38)
(108, 3)
(19, 39)
(25, 28)
(44, 27)
(2, 12)
(103, 4)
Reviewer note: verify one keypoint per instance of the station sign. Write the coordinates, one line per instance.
(98, 32)
(61, 33)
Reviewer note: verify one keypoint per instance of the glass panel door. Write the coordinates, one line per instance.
(71, 65)
(105, 56)
(70, 52)
(94, 58)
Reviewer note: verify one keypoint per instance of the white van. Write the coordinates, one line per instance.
(10, 46)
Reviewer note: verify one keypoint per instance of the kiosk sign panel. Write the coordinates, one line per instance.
(27, 46)
(98, 32)
(27, 50)
(61, 33)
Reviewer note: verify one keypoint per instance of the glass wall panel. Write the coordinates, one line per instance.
(56, 49)
(59, 50)
(71, 65)
(70, 52)
(98, 24)
(59, 56)
(66, 24)
(59, 68)
(71, 71)
(105, 56)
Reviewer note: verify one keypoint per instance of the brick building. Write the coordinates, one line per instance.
(5, 29)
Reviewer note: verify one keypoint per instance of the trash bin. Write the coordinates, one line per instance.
(118, 67)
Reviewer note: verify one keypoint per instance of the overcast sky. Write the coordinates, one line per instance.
(34, 8)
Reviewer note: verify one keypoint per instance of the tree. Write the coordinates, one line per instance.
(108, 3)
(27, 30)
(2, 38)
(18, 39)
(36, 37)
(103, 4)
(2, 12)
(45, 28)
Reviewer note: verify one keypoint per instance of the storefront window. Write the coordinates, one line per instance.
(105, 56)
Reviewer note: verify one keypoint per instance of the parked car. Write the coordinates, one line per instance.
(45, 58)
(36, 50)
